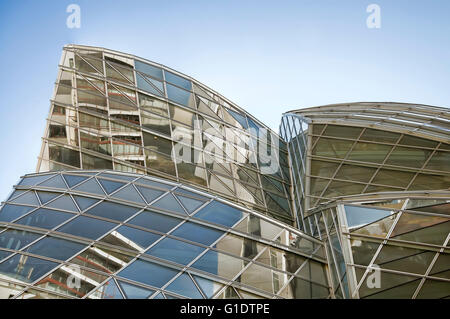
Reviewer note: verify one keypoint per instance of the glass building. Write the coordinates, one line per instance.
(149, 184)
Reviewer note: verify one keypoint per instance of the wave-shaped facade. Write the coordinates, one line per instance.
(151, 185)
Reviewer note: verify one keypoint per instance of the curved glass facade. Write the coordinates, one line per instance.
(105, 234)
(151, 185)
(391, 246)
(112, 110)
(333, 154)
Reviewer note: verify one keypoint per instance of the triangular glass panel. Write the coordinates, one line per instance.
(184, 286)
(33, 180)
(64, 202)
(135, 292)
(110, 186)
(47, 196)
(130, 194)
(360, 216)
(108, 291)
(208, 287)
(238, 117)
(56, 182)
(90, 186)
(168, 202)
(27, 198)
(84, 202)
(73, 180)
(149, 194)
(190, 204)
(16, 193)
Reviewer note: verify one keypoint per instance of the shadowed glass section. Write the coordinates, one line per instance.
(87, 227)
(135, 292)
(45, 218)
(155, 221)
(112, 211)
(148, 273)
(55, 248)
(16, 239)
(10, 212)
(175, 250)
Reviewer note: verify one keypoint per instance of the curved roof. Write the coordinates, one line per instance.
(415, 119)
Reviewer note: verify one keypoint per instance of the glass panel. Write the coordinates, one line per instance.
(55, 248)
(332, 148)
(369, 152)
(87, 227)
(323, 169)
(64, 155)
(342, 131)
(110, 186)
(264, 278)
(409, 157)
(152, 104)
(108, 291)
(180, 96)
(45, 218)
(197, 233)
(155, 221)
(10, 212)
(93, 162)
(359, 216)
(135, 292)
(219, 264)
(178, 80)
(113, 211)
(101, 259)
(25, 268)
(394, 178)
(355, 173)
(208, 287)
(91, 186)
(148, 69)
(27, 198)
(84, 202)
(184, 286)
(175, 250)
(148, 273)
(47, 196)
(149, 194)
(131, 238)
(169, 203)
(33, 180)
(239, 246)
(404, 259)
(71, 281)
(189, 203)
(440, 162)
(219, 213)
(155, 123)
(64, 202)
(16, 239)
(379, 136)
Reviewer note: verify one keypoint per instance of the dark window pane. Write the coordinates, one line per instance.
(87, 227)
(56, 248)
(110, 186)
(112, 211)
(45, 218)
(178, 80)
(148, 69)
(197, 233)
(72, 180)
(155, 221)
(148, 273)
(135, 292)
(16, 239)
(138, 237)
(175, 250)
(10, 212)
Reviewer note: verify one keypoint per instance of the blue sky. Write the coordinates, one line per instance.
(266, 56)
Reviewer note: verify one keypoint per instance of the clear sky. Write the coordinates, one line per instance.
(266, 56)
